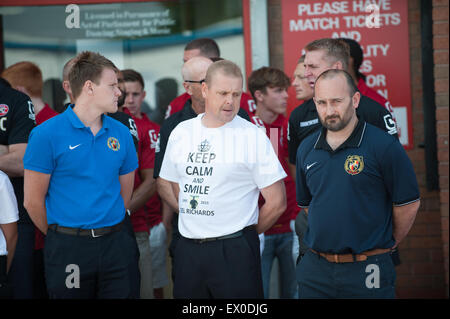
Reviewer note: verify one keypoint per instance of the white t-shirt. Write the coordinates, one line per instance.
(220, 172)
(8, 208)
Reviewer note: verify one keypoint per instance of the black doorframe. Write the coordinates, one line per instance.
(2, 50)
(429, 104)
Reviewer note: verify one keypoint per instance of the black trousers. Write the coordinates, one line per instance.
(21, 273)
(83, 267)
(5, 288)
(229, 268)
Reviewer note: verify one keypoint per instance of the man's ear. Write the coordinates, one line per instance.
(144, 94)
(338, 65)
(355, 99)
(258, 95)
(88, 87)
(187, 88)
(66, 87)
(205, 90)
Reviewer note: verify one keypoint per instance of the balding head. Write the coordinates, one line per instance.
(67, 67)
(195, 68)
(65, 74)
(194, 71)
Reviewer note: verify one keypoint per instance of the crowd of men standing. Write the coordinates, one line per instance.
(91, 194)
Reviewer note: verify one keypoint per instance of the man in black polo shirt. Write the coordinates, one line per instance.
(17, 119)
(322, 55)
(360, 192)
(193, 72)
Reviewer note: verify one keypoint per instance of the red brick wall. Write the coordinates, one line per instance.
(440, 46)
(421, 274)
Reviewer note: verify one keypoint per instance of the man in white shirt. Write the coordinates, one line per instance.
(218, 163)
(9, 215)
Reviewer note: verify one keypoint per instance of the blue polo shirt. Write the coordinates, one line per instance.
(84, 188)
(350, 192)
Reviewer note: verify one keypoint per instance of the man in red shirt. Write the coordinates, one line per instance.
(144, 200)
(355, 62)
(268, 87)
(207, 48)
(26, 77)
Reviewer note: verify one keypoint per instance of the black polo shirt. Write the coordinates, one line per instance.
(186, 113)
(304, 120)
(350, 192)
(17, 119)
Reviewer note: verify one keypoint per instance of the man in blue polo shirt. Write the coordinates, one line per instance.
(359, 189)
(79, 173)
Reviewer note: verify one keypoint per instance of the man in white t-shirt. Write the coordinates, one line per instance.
(9, 215)
(218, 164)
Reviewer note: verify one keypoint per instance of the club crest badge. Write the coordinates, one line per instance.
(113, 144)
(354, 164)
(4, 109)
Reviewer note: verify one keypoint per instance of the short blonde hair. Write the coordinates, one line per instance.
(335, 50)
(225, 67)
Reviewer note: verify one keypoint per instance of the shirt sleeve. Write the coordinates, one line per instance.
(130, 162)
(284, 138)
(22, 121)
(303, 195)
(388, 123)
(168, 165)
(374, 113)
(292, 138)
(242, 113)
(247, 103)
(399, 176)
(146, 153)
(267, 169)
(39, 155)
(160, 149)
(133, 131)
